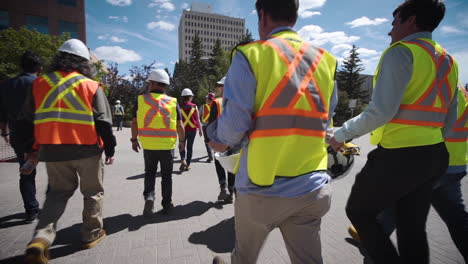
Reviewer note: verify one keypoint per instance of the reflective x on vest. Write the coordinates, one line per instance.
(157, 106)
(62, 89)
(459, 133)
(206, 113)
(187, 118)
(423, 112)
(278, 116)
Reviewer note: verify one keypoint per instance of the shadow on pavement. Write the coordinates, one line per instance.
(355, 243)
(5, 222)
(218, 238)
(13, 260)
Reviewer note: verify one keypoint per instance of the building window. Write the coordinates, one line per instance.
(38, 23)
(67, 2)
(4, 19)
(69, 27)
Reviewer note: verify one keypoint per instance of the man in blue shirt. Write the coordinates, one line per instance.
(13, 92)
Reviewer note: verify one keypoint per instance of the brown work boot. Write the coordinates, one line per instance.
(353, 233)
(37, 252)
(183, 165)
(90, 244)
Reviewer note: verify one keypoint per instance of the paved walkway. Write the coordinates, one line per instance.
(196, 231)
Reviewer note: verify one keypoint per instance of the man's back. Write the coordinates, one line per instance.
(14, 92)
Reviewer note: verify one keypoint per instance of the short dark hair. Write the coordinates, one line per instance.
(31, 62)
(68, 62)
(279, 10)
(428, 13)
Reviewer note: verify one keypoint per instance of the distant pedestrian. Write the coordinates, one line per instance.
(72, 122)
(191, 122)
(205, 118)
(119, 113)
(156, 124)
(13, 93)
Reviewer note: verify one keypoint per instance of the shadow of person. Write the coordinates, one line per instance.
(5, 222)
(355, 243)
(219, 238)
(179, 212)
(13, 260)
(199, 158)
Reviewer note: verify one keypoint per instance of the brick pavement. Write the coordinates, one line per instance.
(196, 231)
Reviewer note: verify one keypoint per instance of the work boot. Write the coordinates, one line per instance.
(223, 194)
(218, 260)
(183, 165)
(148, 210)
(353, 233)
(91, 244)
(167, 209)
(210, 159)
(37, 252)
(31, 217)
(187, 167)
(229, 199)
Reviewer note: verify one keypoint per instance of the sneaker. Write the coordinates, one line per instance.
(218, 260)
(31, 217)
(183, 165)
(37, 252)
(101, 236)
(223, 194)
(187, 168)
(148, 210)
(229, 199)
(353, 233)
(210, 159)
(167, 209)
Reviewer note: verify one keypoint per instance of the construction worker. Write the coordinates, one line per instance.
(205, 117)
(278, 95)
(226, 192)
(71, 117)
(156, 124)
(191, 122)
(13, 93)
(119, 113)
(414, 97)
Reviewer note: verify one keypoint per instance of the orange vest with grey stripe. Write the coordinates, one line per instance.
(295, 82)
(157, 119)
(63, 109)
(426, 100)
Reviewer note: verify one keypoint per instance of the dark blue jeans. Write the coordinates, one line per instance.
(189, 139)
(152, 158)
(27, 185)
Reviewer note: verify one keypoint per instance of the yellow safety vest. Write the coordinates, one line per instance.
(157, 119)
(295, 82)
(456, 139)
(187, 118)
(206, 113)
(426, 99)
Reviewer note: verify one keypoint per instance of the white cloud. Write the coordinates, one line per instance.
(102, 37)
(307, 14)
(316, 35)
(154, 3)
(117, 54)
(117, 39)
(161, 25)
(254, 12)
(185, 6)
(341, 48)
(462, 58)
(449, 30)
(117, 18)
(120, 2)
(305, 5)
(158, 65)
(168, 6)
(365, 21)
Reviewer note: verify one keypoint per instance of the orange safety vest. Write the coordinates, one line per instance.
(63, 109)
(219, 105)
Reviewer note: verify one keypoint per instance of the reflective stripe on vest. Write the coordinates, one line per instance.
(187, 118)
(423, 112)
(156, 106)
(206, 113)
(459, 133)
(278, 117)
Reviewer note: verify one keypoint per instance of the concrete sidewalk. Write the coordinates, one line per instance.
(197, 229)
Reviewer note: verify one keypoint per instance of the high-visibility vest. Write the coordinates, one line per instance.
(118, 109)
(456, 139)
(63, 109)
(157, 120)
(188, 119)
(219, 105)
(295, 82)
(426, 99)
(206, 113)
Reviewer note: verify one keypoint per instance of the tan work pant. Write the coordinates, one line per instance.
(63, 181)
(298, 219)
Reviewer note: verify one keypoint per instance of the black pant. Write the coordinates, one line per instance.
(208, 149)
(403, 178)
(118, 121)
(222, 177)
(27, 183)
(189, 139)
(152, 158)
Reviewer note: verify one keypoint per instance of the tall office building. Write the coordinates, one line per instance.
(210, 27)
(46, 16)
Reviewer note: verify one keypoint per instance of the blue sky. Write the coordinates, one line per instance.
(135, 32)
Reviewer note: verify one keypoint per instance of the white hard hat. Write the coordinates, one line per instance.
(341, 162)
(228, 162)
(187, 92)
(75, 47)
(221, 82)
(117, 102)
(159, 75)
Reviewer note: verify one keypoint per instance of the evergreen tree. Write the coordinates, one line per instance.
(197, 66)
(247, 37)
(218, 64)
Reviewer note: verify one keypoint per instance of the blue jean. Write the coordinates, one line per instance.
(189, 139)
(27, 185)
(447, 200)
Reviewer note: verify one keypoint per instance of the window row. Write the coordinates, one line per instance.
(204, 53)
(211, 26)
(209, 33)
(227, 43)
(214, 20)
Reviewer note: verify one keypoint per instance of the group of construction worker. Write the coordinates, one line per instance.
(278, 100)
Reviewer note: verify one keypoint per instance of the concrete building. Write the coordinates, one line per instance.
(210, 27)
(46, 16)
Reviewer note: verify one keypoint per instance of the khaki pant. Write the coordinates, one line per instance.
(63, 181)
(298, 219)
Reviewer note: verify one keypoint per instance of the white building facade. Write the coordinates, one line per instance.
(210, 27)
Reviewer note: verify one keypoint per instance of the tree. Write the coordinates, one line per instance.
(246, 38)
(13, 43)
(197, 66)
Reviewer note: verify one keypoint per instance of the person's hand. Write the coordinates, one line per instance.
(32, 156)
(109, 160)
(200, 132)
(181, 146)
(136, 146)
(218, 147)
(336, 146)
